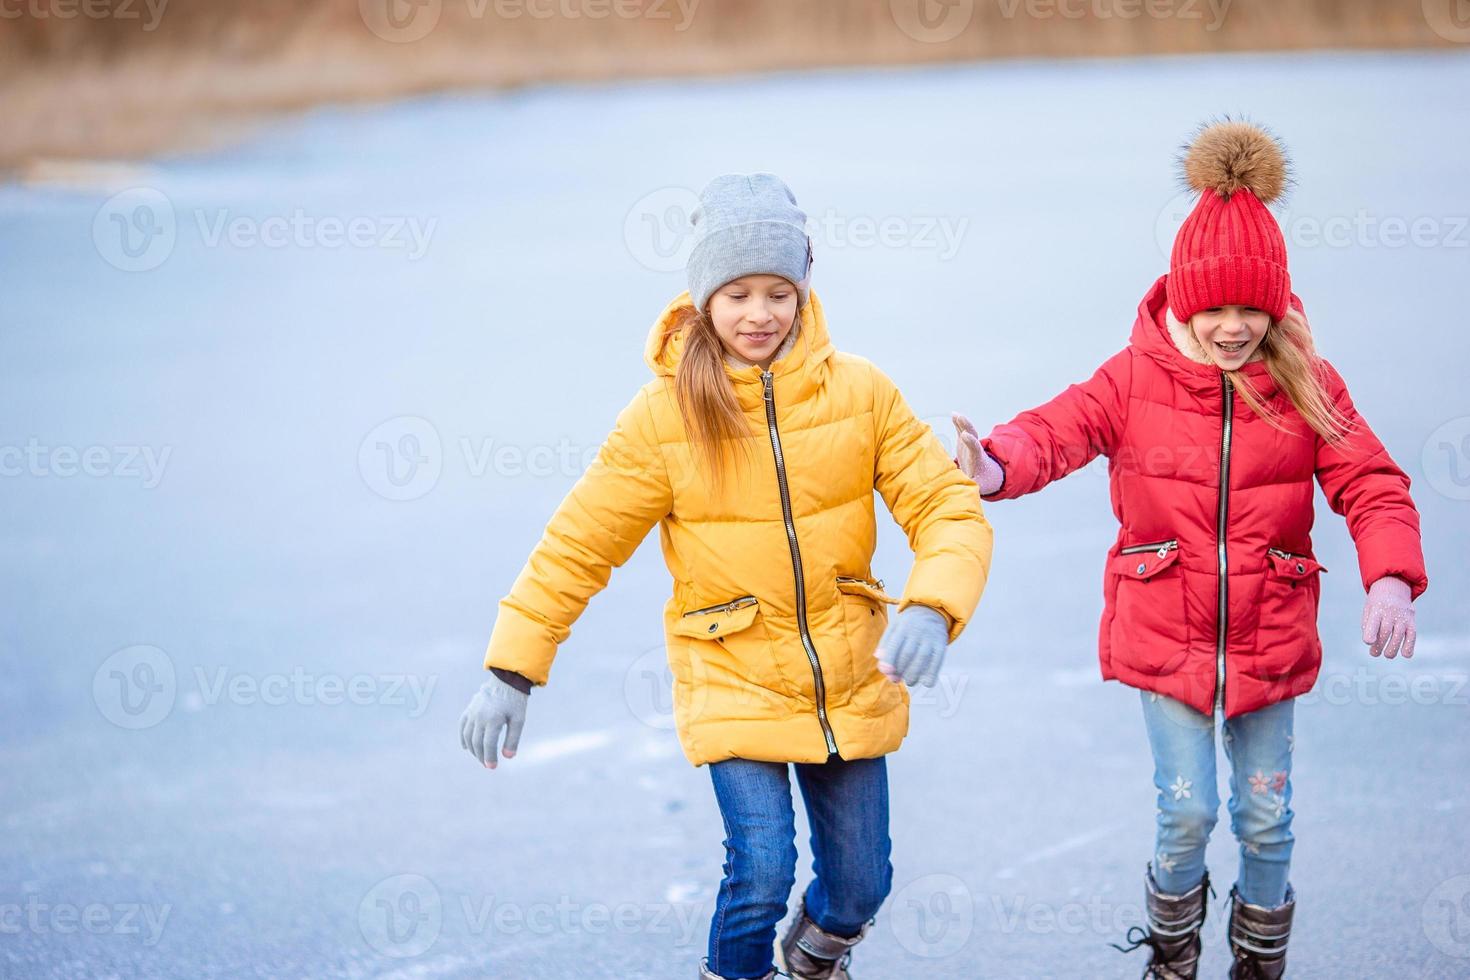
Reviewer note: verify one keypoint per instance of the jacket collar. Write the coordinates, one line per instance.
(1174, 348)
(797, 371)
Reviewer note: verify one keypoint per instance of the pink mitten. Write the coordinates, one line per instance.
(1388, 618)
(976, 463)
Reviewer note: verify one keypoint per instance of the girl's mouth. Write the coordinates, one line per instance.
(760, 338)
(1234, 348)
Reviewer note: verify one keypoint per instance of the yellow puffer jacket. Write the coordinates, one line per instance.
(773, 659)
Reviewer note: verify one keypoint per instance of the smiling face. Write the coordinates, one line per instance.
(752, 316)
(1230, 335)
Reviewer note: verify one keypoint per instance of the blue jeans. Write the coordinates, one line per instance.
(847, 807)
(1259, 746)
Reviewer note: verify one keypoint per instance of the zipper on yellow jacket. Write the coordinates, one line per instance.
(801, 623)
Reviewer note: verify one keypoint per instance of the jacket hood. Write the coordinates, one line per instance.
(1152, 336)
(813, 344)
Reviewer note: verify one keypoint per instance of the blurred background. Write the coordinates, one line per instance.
(310, 313)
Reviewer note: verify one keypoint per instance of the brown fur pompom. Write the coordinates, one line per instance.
(1229, 156)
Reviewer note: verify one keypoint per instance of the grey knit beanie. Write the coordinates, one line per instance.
(747, 224)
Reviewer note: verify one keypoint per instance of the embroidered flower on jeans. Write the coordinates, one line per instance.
(1278, 806)
(1278, 781)
(1252, 848)
(1180, 789)
(1259, 782)
(1291, 743)
(1164, 861)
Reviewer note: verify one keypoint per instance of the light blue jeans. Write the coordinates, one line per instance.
(1259, 746)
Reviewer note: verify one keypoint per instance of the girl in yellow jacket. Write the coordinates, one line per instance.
(756, 449)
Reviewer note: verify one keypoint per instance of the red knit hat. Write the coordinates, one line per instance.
(1230, 250)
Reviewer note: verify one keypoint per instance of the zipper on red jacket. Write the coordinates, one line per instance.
(1227, 418)
(1161, 547)
(801, 624)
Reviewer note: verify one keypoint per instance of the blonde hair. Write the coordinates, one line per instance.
(1291, 359)
(712, 414)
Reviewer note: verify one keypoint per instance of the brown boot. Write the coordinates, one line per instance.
(1258, 938)
(809, 952)
(1174, 923)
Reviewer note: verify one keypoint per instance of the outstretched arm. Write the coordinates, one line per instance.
(597, 527)
(1068, 432)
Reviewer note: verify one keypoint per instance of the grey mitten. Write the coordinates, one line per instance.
(495, 706)
(912, 649)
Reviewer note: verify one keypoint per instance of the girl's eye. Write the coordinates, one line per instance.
(1213, 309)
(737, 297)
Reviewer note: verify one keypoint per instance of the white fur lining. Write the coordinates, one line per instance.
(1185, 340)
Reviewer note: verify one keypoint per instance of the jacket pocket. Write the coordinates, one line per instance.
(728, 648)
(864, 618)
(714, 622)
(868, 588)
(1286, 636)
(1150, 629)
(1293, 567)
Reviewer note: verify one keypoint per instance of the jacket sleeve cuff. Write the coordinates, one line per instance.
(521, 645)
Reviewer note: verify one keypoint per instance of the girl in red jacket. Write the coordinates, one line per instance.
(1215, 419)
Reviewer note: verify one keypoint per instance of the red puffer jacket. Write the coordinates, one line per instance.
(1211, 588)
